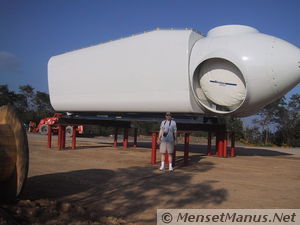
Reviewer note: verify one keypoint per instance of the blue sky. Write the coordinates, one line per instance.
(34, 30)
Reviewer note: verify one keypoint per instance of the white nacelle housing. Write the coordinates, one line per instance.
(235, 69)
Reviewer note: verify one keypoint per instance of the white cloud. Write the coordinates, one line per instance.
(9, 62)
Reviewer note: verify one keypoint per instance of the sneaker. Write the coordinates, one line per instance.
(161, 168)
(171, 169)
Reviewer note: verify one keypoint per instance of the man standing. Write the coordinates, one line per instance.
(167, 140)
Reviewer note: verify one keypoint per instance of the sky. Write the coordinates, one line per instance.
(34, 30)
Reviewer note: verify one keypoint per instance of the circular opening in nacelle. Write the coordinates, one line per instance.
(219, 85)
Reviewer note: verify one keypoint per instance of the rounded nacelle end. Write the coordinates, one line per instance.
(237, 70)
(219, 85)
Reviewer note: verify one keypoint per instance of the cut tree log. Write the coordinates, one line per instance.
(14, 154)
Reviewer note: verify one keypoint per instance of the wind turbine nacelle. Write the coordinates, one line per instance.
(234, 70)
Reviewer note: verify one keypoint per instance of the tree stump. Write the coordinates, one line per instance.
(14, 155)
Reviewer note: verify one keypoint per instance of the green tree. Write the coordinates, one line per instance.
(28, 92)
(268, 116)
(253, 135)
(6, 96)
(42, 104)
(288, 123)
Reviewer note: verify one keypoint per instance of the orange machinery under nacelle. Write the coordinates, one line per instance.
(42, 127)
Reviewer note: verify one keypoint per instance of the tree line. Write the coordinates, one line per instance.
(31, 105)
(276, 124)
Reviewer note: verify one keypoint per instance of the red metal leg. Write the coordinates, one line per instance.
(63, 137)
(220, 145)
(49, 136)
(154, 146)
(135, 137)
(166, 159)
(217, 143)
(74, 137)
(59, 146)
(232, 149)
(225, 145)
(186, 148)
(116, 138)
(209, 143)
(125, 141)
(174, 156)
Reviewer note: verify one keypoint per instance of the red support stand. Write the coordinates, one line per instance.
(116, 138)
(135, 137)
(225, 144)
(63, 136)
(166, 158)
(209, 143)
(125, 140)
(49, 136)
(74, 137)
(220, 145)
(174, 156)
(186, 148)
(232, 148)
(59, 145)
(217, 143)
(154, 146)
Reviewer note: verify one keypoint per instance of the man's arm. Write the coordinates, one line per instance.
(159, 136)
(175, 133)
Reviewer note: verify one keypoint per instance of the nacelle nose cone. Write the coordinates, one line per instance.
(284, 66)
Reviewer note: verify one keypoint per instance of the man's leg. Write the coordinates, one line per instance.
(163, 156)
(170, 150)
(170, 158)
(170, 161)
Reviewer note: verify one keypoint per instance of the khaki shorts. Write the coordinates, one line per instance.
(166, 147)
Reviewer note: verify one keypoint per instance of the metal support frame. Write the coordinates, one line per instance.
(49, 136)
(174, 156)
(116, 138)
(166, 158)
(135, 137)
(225, 144)
(125, 140)
(209, 143)
(220, 144)
(61, 139)
(232, 148)
(74, 137)
(217, 143)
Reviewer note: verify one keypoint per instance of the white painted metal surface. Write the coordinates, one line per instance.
(235, 69)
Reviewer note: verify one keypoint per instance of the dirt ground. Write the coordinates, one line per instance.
(121, 183)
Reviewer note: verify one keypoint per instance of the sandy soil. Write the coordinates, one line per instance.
(122, 185)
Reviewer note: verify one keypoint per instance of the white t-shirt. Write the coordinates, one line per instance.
(168, 127)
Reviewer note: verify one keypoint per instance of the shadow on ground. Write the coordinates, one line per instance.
(200, 148)
(126, 192)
